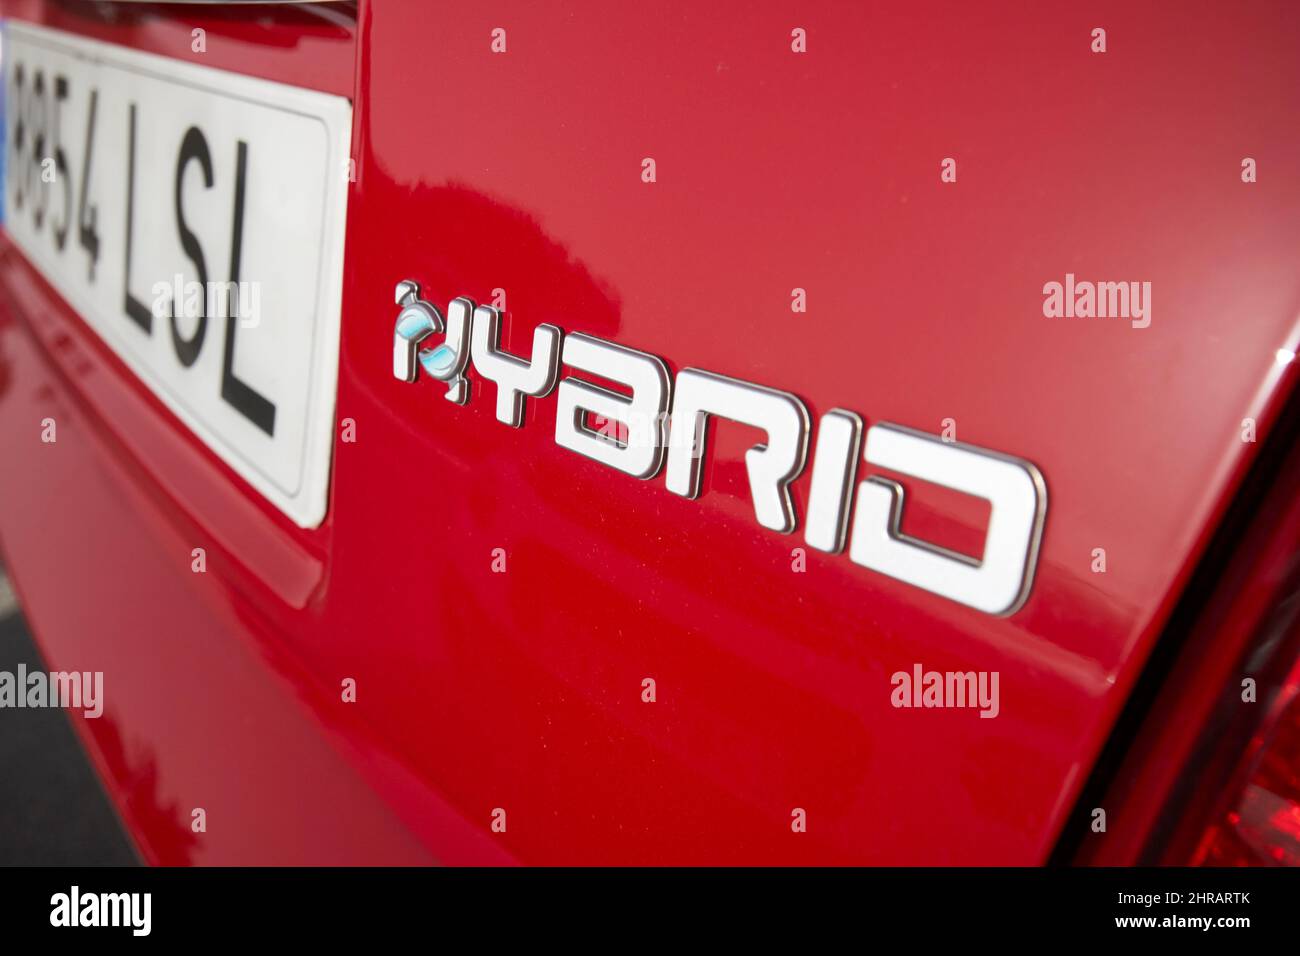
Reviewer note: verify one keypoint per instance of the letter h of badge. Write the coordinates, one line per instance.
(419, 320)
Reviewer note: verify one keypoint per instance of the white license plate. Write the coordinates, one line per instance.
(195, 219)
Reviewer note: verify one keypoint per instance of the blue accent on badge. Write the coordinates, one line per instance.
(439, 361)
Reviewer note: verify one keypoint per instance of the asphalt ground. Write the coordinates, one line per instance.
(53, 810)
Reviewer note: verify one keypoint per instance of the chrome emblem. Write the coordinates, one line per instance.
(419, 320)
(867, 515)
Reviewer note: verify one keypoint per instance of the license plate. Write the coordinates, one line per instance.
(195, 219)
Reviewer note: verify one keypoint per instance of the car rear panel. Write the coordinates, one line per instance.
(480, 690)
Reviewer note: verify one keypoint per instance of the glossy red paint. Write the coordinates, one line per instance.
(522, 690)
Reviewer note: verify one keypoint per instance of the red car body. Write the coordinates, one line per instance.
(521, 691)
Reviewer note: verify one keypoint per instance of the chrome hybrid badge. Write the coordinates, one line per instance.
(645, 435)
